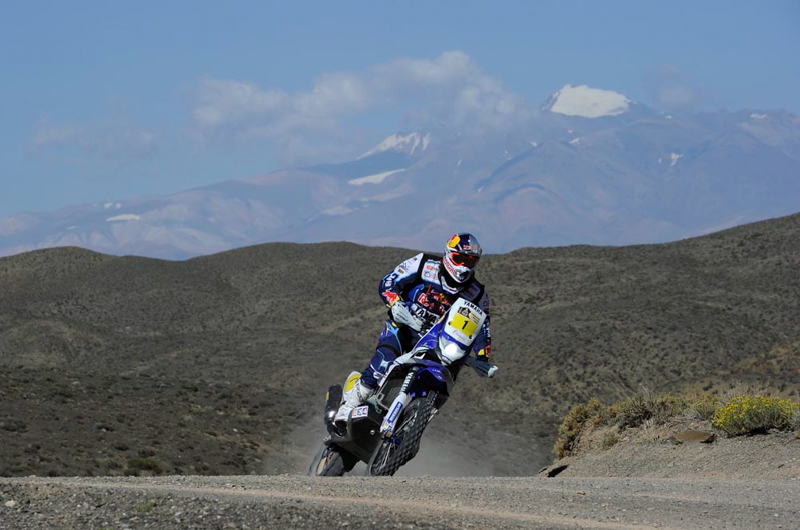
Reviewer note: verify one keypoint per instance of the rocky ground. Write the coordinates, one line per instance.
(424, 502)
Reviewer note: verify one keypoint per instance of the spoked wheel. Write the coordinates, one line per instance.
(328, 462)
(404, 443)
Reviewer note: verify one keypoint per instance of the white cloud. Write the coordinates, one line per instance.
(453, 85)
(236, 110)
(220, 101)
(422, 74)
(110, 139)
(450, 88)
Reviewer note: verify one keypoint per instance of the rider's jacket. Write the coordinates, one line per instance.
(418, 280)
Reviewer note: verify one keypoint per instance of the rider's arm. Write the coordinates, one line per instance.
(394, 285)
(483, 344)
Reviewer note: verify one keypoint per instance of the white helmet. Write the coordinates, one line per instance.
(461, 255)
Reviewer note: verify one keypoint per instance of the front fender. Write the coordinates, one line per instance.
(434, 377)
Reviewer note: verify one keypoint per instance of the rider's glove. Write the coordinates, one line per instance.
(401, 313)
(483, 368)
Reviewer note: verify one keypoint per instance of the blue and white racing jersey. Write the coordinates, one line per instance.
(418, 280)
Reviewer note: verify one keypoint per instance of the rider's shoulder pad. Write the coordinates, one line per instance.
(430, 269)
(411, 265)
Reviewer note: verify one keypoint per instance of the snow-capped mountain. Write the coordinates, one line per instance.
(587, 102)
(401, 144)
(592, 167)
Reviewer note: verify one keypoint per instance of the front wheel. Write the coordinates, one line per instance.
(328, 462)
(404, 443)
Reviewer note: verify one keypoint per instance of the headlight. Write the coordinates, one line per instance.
(450, 351)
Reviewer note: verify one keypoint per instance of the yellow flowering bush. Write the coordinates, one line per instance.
(751, 414)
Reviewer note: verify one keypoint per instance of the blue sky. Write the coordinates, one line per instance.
(112, 100)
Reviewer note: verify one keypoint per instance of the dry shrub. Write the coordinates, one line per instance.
(569, 430)
(144, 464)
(701, 407)
(574, 422)
(645, 405)
(609, 440)
(742, 410)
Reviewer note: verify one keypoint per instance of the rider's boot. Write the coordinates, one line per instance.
(355, 393)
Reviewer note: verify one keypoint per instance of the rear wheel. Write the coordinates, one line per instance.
(404, 443)
(328, 462)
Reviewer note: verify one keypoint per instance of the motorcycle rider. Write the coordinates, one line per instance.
(417, 292)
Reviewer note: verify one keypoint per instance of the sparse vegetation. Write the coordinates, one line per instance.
(644, 406)
(736, 414)
(144, 464)
(647, 406)
(12, 425)
(570, 428)
(610, 439)
(702, 407)
(569, 431)
(145, 507)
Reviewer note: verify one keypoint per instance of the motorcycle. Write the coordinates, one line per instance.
(385, 432)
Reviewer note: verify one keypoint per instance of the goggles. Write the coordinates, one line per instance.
(464, 260)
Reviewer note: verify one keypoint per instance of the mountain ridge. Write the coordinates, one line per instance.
(632, 177)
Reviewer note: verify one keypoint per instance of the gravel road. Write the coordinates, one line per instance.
(409, 502)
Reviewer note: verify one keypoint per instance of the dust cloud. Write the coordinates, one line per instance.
(442, 454)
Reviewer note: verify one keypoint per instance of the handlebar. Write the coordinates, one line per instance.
(484, 369)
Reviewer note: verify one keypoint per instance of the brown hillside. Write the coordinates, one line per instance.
(131, 365)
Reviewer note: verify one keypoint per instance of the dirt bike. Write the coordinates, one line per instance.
(385, 432)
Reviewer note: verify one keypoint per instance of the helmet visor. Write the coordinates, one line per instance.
(464, 260)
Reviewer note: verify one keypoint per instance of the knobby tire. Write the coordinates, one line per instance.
(327, 463)
(390, 456)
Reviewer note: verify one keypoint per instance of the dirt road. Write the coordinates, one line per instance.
(409, 502)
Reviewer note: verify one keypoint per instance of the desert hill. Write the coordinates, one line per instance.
(113, 365)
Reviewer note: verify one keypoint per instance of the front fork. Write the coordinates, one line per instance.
(400, 402)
